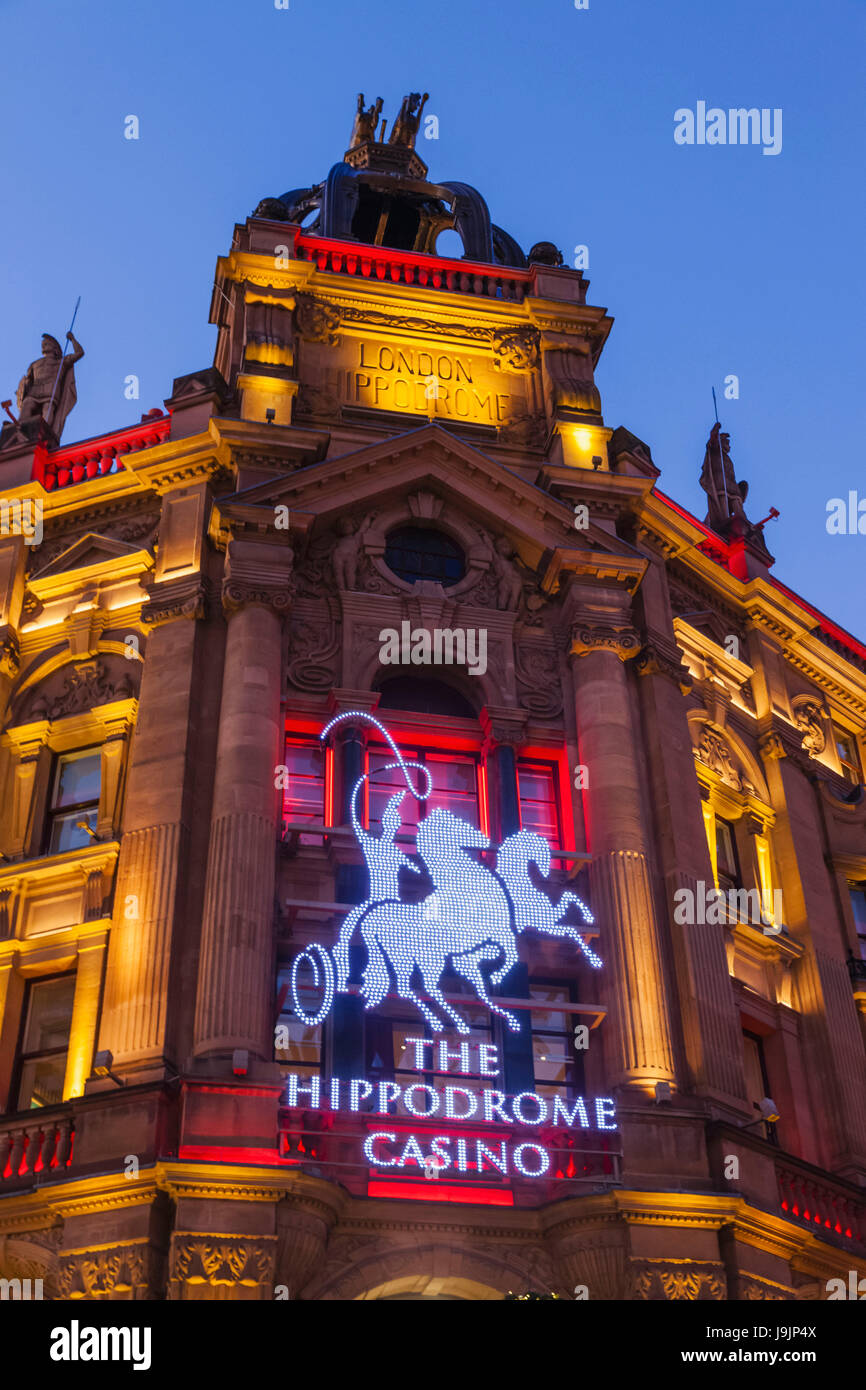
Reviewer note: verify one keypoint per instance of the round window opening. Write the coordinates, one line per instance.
(415, 553)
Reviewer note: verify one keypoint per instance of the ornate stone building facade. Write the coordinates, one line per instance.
(391, 440)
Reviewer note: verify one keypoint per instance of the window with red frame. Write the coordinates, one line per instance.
(304, 793)
(539, 800)
(455, 785)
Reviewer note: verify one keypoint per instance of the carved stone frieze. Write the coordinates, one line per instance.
(105, 1274)
(89, 683)
(692, 1280)
(752, 1288)
(216, 1259)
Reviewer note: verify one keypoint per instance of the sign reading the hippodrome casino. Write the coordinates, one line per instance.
(470, 923)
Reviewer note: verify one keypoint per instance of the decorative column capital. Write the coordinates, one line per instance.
(623, 642)
(257, 573)
(502, 724)
(237, 595)
(659, 658)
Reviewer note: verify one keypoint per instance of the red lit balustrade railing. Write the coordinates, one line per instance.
(94, 458)
(412, 268)
(35, 1147)
(822, 1205)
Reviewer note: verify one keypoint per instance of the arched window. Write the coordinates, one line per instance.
(415, 552)
(423, 697)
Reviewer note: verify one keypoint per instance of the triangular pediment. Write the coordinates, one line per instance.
(87, 551)
(428, 459)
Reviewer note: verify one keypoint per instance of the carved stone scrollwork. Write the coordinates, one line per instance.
(515, 349)
(772, 747)
(809, 716)
(87, 684)
(317, 320)
(536, 671)
(239, 1261)
(9, 654)
(692, 1280)
(715, 753)
(623, 641)
(314, 652)
(237, 595)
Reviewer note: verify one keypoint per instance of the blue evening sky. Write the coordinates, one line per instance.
(712, 260)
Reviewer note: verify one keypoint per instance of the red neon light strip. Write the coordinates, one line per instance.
(827, 626)
(358, 251)
(436, 1191)
(223, 1153)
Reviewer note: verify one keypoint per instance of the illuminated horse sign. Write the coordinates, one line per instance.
(469, 922)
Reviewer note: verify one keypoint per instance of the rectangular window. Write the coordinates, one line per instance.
(45, 1041)
(846, 747)
(300, 1045)
(455, 785)
(74, 800)
(304, 793)
(539, 801)
(757, 1080)
(727, 864)
(558, 1067)
(858, 905)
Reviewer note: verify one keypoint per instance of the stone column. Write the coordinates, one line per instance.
(712, 1033)
(148, 900)
(85, 1009)
(638, 1032)
(235, 998)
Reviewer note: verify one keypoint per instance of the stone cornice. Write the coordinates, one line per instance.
(601, 566)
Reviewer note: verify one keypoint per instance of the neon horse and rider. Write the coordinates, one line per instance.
(470, 920)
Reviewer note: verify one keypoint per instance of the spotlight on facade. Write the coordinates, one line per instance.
(102, 1064)
(769, 1113)
(240, 1061)
(84, 825)
(270, 415)
(663, 1093)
